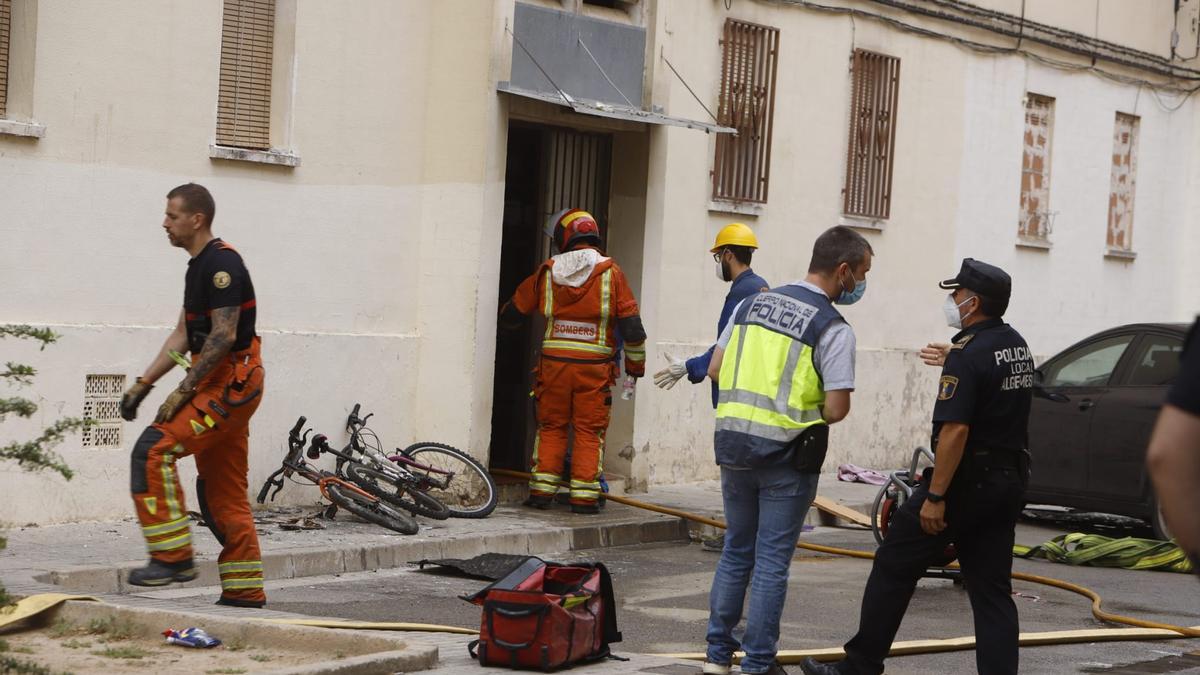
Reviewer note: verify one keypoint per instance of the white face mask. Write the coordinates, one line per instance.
(721, 272)
(951, 310)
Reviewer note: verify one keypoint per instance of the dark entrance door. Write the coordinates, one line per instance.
(548, 169)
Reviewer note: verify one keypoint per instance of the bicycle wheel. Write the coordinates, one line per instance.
(396, 492)
(372, 510)
(471, 492)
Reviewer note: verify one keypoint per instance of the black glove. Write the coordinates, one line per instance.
(132, 398)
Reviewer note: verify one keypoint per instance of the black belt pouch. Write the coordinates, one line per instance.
(810, 450)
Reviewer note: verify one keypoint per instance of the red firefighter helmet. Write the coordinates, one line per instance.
(573, 227)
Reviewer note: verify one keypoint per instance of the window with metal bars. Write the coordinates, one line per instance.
(871, 149)
(5, 40)
(244, 101)
(749, 61)
(1124, 180)
(1035, 215)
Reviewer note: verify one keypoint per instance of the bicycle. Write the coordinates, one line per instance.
(442, 473)
(891, 497)
(333, 487)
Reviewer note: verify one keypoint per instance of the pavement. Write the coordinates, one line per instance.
(354, 570)
(94, 557)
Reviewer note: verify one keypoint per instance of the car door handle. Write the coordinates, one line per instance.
(1086, 404)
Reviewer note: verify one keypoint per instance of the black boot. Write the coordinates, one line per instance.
(592, 508)
(160, 573)
(539, 502)
(234, 602)
(811, 666)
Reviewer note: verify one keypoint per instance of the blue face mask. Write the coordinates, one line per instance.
(851, 297)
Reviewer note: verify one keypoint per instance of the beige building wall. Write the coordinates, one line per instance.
(367, 258)
(955, 192)
(376, 260)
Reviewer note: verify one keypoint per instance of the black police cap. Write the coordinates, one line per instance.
(986, 280)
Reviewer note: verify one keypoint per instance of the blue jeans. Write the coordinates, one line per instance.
(764, 511)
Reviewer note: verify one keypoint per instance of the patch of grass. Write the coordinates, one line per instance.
(122, 653)
(9, 664)
(235, 645)
(77, 644)
(261, 658)
(339, 654)
(111, 628)
(63, 628)
(3, 645)
(227, 671)
(23, 650)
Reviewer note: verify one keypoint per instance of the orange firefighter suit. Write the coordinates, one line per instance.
(585, 300)
(214, 426)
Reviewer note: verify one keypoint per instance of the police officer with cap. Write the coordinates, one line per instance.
(972, 496)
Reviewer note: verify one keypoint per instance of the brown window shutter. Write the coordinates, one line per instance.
(244, 102)
(1034, 221)
(5, 39)
(871, 149)
(1124, 182)
(749, 61)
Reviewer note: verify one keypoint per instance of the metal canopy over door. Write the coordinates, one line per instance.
(549, 169)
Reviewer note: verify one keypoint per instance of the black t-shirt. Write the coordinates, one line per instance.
(1185, 393)
(217, 278)
(987, 383)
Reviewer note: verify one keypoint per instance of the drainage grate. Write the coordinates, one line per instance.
(102, 403)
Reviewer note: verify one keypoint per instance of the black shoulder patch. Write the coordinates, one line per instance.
(961, 343)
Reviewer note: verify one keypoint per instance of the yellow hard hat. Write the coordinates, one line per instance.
(735, 234)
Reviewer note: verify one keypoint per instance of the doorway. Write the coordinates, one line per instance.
(548, 169)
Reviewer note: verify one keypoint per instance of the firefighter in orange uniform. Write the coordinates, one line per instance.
(207, 415)
(585, 300)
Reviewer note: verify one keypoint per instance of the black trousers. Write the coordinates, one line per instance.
(981, 516)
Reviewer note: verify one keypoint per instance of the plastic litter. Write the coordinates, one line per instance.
(191, 637)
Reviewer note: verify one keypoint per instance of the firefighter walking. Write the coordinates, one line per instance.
(206, 416)
(586, 302)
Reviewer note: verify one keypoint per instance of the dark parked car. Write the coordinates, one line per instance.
(1094, 407)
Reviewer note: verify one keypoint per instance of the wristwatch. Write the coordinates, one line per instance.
(934, 497)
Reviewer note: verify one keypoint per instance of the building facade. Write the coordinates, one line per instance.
(385, 168)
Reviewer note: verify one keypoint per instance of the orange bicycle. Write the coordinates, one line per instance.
(340, 492)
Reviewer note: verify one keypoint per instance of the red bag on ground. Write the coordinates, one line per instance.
(546, 615)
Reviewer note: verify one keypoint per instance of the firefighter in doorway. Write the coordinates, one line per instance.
(586, 301)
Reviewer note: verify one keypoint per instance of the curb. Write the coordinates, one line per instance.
(306, 562)
(376, 652)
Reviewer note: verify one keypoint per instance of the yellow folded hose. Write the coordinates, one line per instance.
(1096, 550)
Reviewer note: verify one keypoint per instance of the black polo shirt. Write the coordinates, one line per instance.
(987, 383)
(217, 278)
(1185, 393)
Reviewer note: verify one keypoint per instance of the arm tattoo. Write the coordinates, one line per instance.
(220, 341)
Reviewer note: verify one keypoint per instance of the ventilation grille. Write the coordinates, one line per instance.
(102, 403)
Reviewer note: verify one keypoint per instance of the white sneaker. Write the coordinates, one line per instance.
(715, 669)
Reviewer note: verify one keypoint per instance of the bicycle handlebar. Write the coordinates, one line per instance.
(299, 425)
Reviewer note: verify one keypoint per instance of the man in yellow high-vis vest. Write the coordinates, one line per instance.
(784, 367)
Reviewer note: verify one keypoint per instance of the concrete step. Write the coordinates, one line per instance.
(354, 547)
(513, 491)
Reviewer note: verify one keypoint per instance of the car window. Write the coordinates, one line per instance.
(1088, 366)
(1156, 361)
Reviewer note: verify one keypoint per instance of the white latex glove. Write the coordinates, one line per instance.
(627, 387)
(667, 377)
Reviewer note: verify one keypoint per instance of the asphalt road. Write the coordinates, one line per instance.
(662, 590)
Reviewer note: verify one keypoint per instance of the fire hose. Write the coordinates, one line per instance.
(1143, 628)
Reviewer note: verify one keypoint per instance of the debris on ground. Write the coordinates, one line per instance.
(852, 473)
(489, 566)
